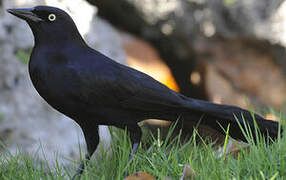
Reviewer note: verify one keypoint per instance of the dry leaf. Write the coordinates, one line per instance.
(188, 173)
(140, 176)
(233, 148)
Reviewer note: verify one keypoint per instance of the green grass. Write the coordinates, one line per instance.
(24, 56)
(161, 160)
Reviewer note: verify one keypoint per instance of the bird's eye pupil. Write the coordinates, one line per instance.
(52, 17)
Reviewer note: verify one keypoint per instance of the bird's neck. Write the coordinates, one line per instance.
(54, 38)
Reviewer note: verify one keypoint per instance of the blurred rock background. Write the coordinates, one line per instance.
(225, 51)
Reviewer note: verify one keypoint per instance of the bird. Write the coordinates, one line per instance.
(92, 89)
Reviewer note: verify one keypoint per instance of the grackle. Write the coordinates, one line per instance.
(93, 90)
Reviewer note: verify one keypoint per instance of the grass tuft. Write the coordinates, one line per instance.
(164, 158)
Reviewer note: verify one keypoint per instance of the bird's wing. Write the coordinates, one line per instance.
(113, 83)
(146, 93)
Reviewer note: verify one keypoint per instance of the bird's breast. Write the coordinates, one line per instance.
(57, 85)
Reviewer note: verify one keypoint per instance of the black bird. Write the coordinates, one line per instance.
(93, 90)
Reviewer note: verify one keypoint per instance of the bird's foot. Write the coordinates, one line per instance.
(78, 173)
(76, 176)
(80, 169)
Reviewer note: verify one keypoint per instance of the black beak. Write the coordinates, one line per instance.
(26, 14)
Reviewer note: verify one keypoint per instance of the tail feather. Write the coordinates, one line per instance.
(219, 116)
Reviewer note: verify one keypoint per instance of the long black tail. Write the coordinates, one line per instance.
(219, 116)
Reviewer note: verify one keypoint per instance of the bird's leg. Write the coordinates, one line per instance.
(135, 134)
(82, 166)
(92, 140)
(134, 149)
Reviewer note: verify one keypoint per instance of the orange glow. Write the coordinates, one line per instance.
(272, 117)
(145, 58)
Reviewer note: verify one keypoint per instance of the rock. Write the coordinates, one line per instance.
(258, 19)
(239, 69)
(27, 122)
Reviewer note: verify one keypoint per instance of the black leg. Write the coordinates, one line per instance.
(92, 140)
(135, 134)
(81, 167)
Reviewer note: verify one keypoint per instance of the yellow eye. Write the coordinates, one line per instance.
(52, 17)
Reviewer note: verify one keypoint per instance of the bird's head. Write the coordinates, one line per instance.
(49, 24)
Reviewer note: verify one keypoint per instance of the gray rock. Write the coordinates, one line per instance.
(231, 18)
(28, 122)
